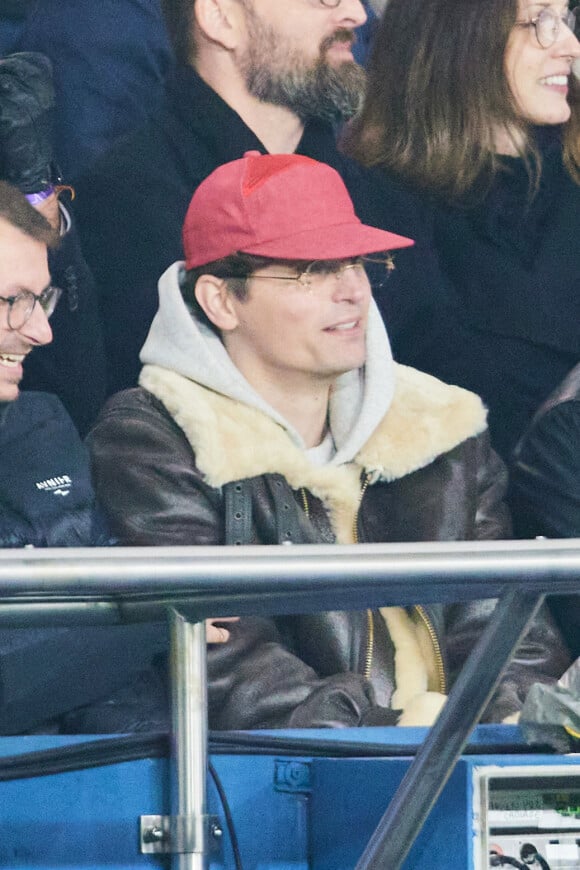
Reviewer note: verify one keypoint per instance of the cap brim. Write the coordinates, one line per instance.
(330, 243)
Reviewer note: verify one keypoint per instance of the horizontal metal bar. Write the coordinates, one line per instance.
(140, 583)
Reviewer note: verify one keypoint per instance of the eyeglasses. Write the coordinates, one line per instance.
(21, 306)
(547, 25)
(317, 273)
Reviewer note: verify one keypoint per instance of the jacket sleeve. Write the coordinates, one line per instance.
(542, 655)
(146, 478)
(492, 516)
(255, 681)
(545, 477)
(545, 488)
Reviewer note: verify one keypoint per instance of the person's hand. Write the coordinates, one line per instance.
(26, 121)
(215, 631)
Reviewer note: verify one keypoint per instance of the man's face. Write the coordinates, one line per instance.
(299, 55)
(296, 335)
(23, 266)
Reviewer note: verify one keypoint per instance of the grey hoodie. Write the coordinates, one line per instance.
(177, 341)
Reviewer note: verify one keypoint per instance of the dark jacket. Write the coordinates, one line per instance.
(163, 483)
(504, 308)
(46, 495)
(73, 365)
(47, 500)
(545, 485)
(131, 207)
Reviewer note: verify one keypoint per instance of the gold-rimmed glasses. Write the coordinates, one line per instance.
(319, 271)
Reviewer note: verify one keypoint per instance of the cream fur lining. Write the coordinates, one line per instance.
(419, 705)
(233, 441)
(410, 668)
(426, 418)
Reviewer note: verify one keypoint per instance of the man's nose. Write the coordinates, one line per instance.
(352, 284)
(351, 13)
(37, 329)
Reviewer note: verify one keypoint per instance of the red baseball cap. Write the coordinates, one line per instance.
(283, 206)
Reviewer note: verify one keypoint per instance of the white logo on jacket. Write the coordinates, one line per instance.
(59, 485)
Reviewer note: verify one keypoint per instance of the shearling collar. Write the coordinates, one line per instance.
(232, 441)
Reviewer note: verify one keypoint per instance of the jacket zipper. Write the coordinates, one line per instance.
(370, 621)
(436, 647)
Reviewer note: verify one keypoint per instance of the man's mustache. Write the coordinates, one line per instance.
(343, 34)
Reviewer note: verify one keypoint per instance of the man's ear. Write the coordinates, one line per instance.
(216, 301)
(219, 21)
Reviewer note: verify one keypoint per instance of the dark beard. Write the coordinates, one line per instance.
(321, 91)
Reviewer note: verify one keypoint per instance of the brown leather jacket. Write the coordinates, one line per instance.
(176, 481)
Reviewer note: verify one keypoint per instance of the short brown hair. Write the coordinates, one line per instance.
(235, 270)
(17, 211)
(437, 91)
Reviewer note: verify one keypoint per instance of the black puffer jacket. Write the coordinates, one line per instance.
(47, 500)
(545, 485)
(166, 483)
(46, 495)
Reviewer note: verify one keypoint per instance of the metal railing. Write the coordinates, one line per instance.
(187, 584)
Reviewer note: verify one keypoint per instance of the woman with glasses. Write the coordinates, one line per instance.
(475, 106)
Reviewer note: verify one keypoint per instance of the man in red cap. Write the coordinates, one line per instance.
(270, 411)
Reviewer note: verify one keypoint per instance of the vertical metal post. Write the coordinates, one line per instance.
(189, 740)
(435, 760)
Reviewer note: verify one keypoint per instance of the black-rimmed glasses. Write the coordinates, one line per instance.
(21, 306)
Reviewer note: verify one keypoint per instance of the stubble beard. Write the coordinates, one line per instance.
(281, 76)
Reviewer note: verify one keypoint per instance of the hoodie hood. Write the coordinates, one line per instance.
(359, 400)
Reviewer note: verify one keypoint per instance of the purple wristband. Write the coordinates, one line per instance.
(37, 198)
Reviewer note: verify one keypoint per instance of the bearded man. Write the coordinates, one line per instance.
(252, 75)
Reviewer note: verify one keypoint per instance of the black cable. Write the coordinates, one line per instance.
(80, 756)
(542, 861)
(228, 816)
(133, 747)
(241, 743)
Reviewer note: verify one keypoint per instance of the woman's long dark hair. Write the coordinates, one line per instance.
(437, 94)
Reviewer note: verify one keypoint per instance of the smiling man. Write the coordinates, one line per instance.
(270, 412)
(26, 297)
(46, 495)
